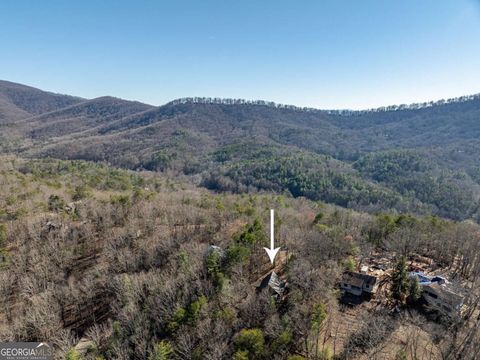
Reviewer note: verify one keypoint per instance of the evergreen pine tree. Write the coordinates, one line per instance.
(400, 279)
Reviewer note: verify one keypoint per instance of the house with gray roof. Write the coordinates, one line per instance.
(357, 284)
(442, 298)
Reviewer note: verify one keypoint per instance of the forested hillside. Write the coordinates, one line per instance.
(129, 231)
(112, 264)
(19, 101)
(422, 158)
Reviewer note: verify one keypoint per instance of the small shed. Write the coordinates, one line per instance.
(214, 249)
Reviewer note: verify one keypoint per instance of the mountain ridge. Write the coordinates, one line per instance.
(32, 100)
(345, 111)
(240, 146)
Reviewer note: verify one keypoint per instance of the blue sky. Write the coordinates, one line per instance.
(326, 54)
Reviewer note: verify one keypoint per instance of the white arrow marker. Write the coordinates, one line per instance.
(272, 252)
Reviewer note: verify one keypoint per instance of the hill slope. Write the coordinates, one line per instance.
(105, 263)
(420, 159)
(19, 101)
(84, 116)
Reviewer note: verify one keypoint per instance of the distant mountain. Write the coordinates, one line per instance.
(82, 117)
(420, 158)
(19, 101)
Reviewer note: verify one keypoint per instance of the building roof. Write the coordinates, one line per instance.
(274, 282)
(425, 280)
(358, 279)
(214, 249)
(445, 293)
